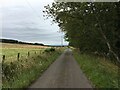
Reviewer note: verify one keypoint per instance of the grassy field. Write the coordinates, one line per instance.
(9, 45)
(21, 73)
(11, 50)
(100, 71)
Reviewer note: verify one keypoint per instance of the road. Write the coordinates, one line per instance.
(63, 73)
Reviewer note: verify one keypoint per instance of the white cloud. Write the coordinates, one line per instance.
(23, 20)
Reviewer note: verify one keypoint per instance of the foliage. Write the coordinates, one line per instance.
(91, 27)
(50, 50)
(19, 42)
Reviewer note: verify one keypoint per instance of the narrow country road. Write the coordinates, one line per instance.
(63, 73)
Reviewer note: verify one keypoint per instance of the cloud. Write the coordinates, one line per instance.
(23, 20)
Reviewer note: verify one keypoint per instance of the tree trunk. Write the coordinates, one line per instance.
(106, 40)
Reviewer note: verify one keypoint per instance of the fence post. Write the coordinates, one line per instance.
(35, 52)
(3, 58)
(28, 54)
(18, 56)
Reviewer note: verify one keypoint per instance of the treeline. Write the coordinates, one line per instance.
(19, 42)
(91, 27)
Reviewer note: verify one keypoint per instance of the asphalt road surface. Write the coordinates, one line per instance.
(63, 73)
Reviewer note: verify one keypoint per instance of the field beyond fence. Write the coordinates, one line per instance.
(21, 65)
(12, 52)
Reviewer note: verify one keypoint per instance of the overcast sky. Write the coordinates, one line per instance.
(23, 20)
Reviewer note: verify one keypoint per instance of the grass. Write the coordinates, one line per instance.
(11, 54)
(10, 45)
(30, 70)
(11, 50)
(100, 71)
(20, 74)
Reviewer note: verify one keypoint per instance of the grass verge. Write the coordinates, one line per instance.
(100, 71)
(20, 74)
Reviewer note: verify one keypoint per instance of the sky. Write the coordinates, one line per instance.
(23, 20)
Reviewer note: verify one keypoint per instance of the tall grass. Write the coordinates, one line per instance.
(20, 74)
(100, 71)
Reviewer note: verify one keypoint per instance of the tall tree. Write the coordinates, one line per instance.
(89, 26)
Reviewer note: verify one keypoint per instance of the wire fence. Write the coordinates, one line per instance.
(21, 56)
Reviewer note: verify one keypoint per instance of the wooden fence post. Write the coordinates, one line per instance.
(28, 54)
(3, 58)
(18, 56)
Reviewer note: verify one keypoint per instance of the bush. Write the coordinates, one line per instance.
(50, 50)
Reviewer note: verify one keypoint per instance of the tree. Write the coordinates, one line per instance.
(89, 26)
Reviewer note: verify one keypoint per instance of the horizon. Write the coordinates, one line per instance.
(23, 20)
(34, 42)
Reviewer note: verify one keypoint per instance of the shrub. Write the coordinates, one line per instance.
(50, 50)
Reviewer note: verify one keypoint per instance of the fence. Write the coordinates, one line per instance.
(19, 55)
(28, 54)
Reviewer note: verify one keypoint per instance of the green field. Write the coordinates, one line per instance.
(11, 51)
(21, 73)
(11, 54)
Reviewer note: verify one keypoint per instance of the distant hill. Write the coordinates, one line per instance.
(18, 42)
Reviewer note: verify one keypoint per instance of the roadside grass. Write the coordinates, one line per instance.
(100, 71)
(21, 74)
